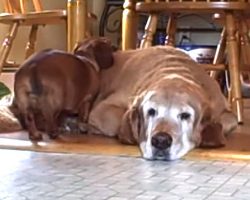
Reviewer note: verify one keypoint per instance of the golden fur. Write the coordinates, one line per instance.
(135, 72)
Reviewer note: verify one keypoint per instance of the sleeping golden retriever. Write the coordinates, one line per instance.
(163, 101)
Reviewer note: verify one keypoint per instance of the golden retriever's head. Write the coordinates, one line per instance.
(99, 49)
(167, 122)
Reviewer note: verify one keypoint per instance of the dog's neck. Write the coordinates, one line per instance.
(89, 60)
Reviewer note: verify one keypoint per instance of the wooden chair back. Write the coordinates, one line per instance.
(234, 41)
(22, 6)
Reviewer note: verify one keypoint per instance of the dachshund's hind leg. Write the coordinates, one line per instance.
(52, 125)
(51, 115)
(34, 134)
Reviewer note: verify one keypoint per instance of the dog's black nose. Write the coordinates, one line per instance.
(161, 140)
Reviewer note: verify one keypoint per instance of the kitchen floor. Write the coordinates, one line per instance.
(27, 175)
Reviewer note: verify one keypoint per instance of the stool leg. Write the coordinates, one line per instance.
(150, 30)
(244, 42)
(171, 30)
(245, 50)
(7, 44)
(234, 68)
(129, 25)
(30, 47)
(219, 53)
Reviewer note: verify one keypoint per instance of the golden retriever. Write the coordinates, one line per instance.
(163, 101)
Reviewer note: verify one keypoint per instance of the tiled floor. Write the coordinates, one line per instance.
(46, 176)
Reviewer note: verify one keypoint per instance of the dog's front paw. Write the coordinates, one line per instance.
(37, 136)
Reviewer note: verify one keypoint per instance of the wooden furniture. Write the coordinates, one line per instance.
(77, 22)
(17, 14)
(107, 12)
(30, 13)
(234, 43)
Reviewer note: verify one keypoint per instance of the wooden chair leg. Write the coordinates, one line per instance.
(219, 53)
(228, 86)
(76, 22)
(171, 30)
(7, 44)
(30, 47)
(129, 25)
(70, 25)
(150, 30)
(245, 50)
(244, 42)
(234, 68)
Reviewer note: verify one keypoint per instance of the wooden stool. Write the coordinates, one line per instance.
(231, 11)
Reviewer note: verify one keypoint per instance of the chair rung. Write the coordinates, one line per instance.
(216, 67)
(219, 67)
(10, 67)
(201, 6)
(9, 70)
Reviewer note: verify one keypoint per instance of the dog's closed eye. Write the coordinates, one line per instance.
(184, 116)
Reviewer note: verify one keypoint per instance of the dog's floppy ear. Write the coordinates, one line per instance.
(131, 126)
(212, 135)
(103, 52)
(125, 134)
(99, 49)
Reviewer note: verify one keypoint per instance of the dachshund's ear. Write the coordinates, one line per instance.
(131, 126)
(99, 49)
(103, 52)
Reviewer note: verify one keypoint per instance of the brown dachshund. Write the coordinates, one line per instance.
(52, 82)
